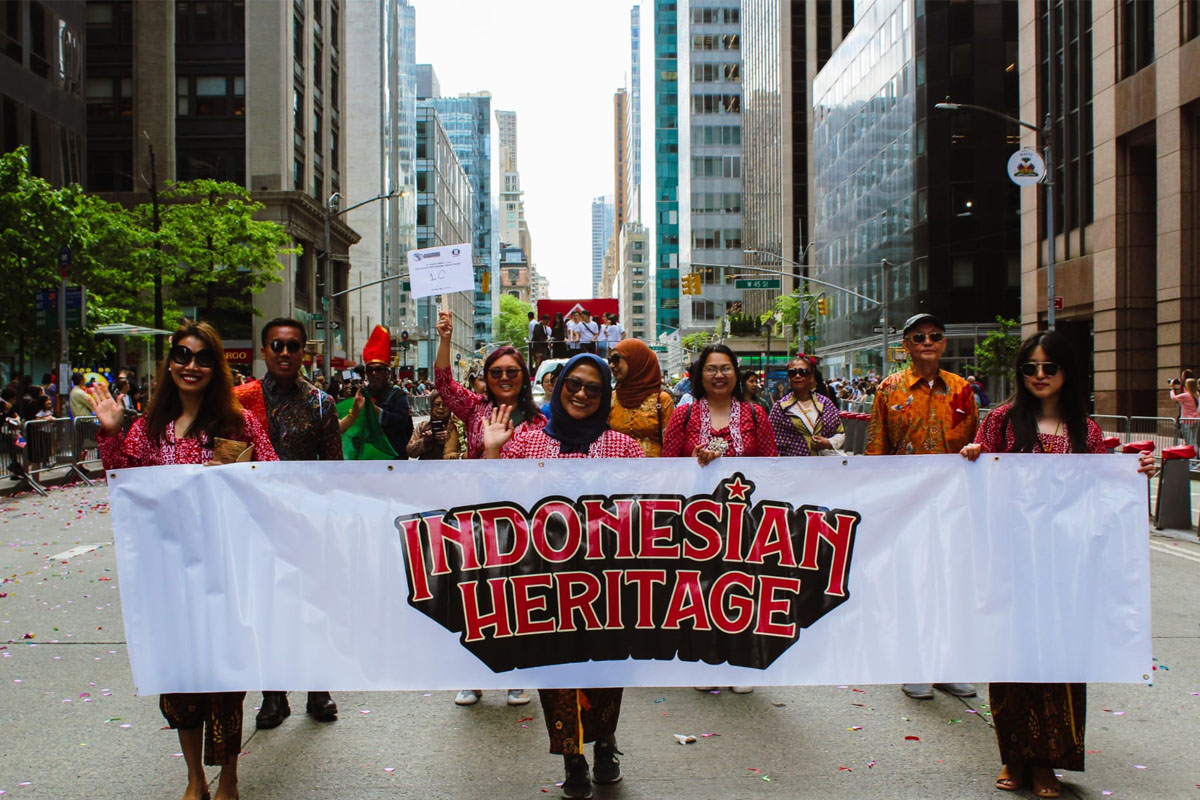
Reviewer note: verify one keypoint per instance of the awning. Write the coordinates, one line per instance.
(123, 329)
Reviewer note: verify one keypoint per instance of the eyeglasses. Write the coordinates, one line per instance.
(376, 370)
(796, 371)
(724, 369)
(919, 338)
(279, 345)
(614, 359)
(183, 356)
(504, 372)
(592, 390)
(1030, 368)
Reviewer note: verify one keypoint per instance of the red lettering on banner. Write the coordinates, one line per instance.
(733, 535)
(541, 542)
(524, 605)
(651, 532)
(687, 602)
(515, 517)
(710, 535)
(569, 602)
(418, 580)
(475, 622)
(743, 605)
(839, 538)
(612, 595)
(773, 536)
(644, 578)
(770, 605)
(620, 523)
(462, 536)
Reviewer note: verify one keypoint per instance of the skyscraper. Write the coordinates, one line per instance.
(602, 234)
(633, 202)
(666, 165)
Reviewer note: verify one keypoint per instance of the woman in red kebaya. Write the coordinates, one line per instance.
(192, 408)
(1040, 726)
(578, 428)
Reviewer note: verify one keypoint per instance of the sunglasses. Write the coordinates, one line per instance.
(919, 338)
(614, 359)
(370, 370)
(183, 356)
(592, 390)
(504, 372)
(279, 345)
(794, 372)
(1030, 368)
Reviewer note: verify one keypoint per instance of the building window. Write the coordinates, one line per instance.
(1137, 36)
(208, 21)
(514, 275)
(716, 104)
(1189, 20)
(109, 98)
(1070, 105)
(298, 175)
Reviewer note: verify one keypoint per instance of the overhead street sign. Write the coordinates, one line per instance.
(756, 283)
(335, 325)
(658, 348)
(879, 329)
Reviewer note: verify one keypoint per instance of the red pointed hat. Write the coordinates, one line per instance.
(378, 349)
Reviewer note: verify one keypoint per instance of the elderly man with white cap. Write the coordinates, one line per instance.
(922, 410)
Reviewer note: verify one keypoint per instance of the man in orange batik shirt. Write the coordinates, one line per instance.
(923, 410)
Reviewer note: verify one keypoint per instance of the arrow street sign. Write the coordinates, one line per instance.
(879, 329)
(336, 325)
(756, 283)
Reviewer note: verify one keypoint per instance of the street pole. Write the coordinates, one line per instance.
(883, 324)
(327, 300)
(1049, 181)
(64, 353)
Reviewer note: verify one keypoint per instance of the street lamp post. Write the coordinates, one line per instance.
(1046, 132)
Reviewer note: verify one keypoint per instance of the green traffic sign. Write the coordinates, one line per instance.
(658, 348)
(756, 283)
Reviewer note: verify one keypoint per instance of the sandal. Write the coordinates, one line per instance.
(1007, 781)
(1046, 783)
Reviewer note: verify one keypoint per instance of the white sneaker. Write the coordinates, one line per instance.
(467, 697)
(741, 689)
(517, 697)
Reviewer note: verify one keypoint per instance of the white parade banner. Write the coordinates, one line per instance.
(580, 573)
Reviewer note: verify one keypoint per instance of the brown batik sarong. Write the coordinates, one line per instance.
(219, 712)
(1040, 724)
(577, 716)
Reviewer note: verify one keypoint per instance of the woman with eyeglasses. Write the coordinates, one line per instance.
(194, 405)
(640, 407)
(719, 422)
(805, 422)
(1040, 726)
(435, 439)
(578, 428)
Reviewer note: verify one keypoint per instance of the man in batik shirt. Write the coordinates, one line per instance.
(922, 410)
(302, 422)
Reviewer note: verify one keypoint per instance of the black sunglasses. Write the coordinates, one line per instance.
(794, 371)
(1030, 368)
(573, 385)
(183, 356)
(919, 338)
(279, 345)
(377, 368)
(504, 372)
(615, 358)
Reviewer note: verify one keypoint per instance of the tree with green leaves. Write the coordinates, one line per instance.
(512, 323)
(996, 352)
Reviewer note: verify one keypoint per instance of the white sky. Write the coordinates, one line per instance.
(557, 64)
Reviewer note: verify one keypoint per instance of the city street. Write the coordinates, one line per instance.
(73, 727)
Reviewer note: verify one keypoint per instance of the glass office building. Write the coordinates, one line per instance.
(666, 165)
(923, 189)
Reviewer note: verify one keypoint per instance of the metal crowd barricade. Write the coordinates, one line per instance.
(855, 426)
(1111, 425)
(13, 460)
(49, 446)
(419, 405)
(1163, 431)
(87, 450)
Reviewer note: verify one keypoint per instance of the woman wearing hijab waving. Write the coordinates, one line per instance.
(578, 428)
(1040, 726)
(193, 407)
(640, 407)
(719, 422)
(805, 422)
(507, 384)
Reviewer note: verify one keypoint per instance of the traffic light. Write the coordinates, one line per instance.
(823, 306)
(691, 283)
(485, 282)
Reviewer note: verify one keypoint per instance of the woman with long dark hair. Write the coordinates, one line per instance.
(1040, 726)
(193, 407)
(719, 422)
(558, 337)
(579, 410)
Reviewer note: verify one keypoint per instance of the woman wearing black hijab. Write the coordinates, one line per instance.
(578, 428)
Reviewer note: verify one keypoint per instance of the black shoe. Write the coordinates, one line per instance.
(606, 767)
(274, 710)
(321, 707)
(577, 783)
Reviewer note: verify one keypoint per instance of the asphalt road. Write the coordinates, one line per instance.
(71, 727)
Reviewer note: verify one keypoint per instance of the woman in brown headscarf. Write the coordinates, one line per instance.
(640, 407)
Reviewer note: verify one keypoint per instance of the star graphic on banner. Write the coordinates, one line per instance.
(737, 489)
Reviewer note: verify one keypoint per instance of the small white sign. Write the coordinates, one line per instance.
(441, 270)
(1026, 167)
